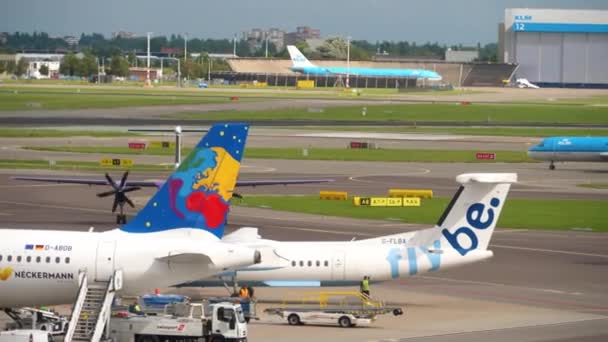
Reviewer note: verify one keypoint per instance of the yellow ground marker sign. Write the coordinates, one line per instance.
(386, 201)
(333, 195)
(410, 193)
(116, 162)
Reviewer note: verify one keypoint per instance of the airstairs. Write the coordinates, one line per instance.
(92, 308)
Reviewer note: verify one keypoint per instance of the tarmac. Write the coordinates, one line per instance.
(540, 285)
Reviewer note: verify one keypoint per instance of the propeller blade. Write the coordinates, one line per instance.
(124, 179)
(130, 188)
(107, 193)
(129, 201)
(115, 204)
(111, 181)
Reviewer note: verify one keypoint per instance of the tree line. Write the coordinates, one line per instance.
(100, 46)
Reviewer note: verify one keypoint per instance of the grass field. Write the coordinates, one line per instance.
(594, 185)
(57, 133)
(446, 113)
(518, 213)
(390, 155)
(485, 131)
(75, 165)
(28, 100)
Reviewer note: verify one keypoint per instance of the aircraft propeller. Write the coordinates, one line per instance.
(120, 198)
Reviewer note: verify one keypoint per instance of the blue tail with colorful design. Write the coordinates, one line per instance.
(198, 193)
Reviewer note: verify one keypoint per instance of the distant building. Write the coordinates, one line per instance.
(140, 74)
(71, 40)
(556, 47)
(3, 38)
(123, 34)
(34, 66)
(256, 37)
(302, 34)
(464, 56)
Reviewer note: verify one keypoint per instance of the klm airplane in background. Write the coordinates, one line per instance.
(302, 65)
(591, 149)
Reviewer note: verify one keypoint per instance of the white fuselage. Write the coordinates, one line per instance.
(42, 267)
(345, 263)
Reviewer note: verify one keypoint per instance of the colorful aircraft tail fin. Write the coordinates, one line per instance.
(468, 222)
(198, 193)
(297, 58)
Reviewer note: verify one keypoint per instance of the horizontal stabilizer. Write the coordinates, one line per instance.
(496, 178)
(242, 235)
(186, 258)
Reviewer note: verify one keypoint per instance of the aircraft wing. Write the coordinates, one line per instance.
(158, 184)
(89, 181)
(281, 182)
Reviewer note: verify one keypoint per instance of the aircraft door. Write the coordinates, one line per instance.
(104, 263)
(338, 266)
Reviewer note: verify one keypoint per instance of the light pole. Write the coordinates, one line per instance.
(234, 46)
(185, 46)
(266, 33)
(148, 63)
(347, 61)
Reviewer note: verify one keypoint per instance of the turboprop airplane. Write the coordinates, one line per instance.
(461, 236)
(173, 239)
(577, 149)
(302, 65)
(121, 188)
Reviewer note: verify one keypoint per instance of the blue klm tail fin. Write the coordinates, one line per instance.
(198, 193)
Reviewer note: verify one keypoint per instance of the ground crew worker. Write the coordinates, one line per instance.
(135, 309)
(365, 286)
(244, 292)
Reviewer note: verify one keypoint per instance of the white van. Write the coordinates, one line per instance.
(25, 336)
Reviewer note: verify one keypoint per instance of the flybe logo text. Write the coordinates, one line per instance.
(478, 218)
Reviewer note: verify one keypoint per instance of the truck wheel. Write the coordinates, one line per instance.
(344, 322)
(148, 339)
(294, 319)
(217, 338)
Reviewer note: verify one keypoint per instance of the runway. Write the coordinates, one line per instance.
(549, 285)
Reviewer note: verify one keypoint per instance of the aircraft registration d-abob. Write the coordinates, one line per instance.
(462, 236)
(174, 238)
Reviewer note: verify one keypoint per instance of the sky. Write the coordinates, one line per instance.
(443, 21)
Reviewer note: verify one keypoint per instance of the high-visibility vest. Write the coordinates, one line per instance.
(365, 285)
(244, 292)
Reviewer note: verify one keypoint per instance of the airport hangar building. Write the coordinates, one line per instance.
(557, 48)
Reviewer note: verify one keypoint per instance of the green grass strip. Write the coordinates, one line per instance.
(57, 133)
(594, 185)
(482, 131)
(387, 155)
(32, 101)
(75, 165)
(474, 113)
(518, 213)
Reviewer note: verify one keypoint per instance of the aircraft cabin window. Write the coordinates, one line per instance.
(67, 260)
(28, 259)
(293, 263)
(38, 259)
(0, 257)
(9, 258)
(48, 260)
(326, 263)
(301, 263)
(57, 260)
(309, 263)
(19, 258)
(318, 263)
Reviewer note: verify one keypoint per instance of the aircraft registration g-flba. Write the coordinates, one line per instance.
(173, 239)
(461, 236)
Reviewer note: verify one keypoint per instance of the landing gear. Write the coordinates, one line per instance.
(552, 166)
(121, 219)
